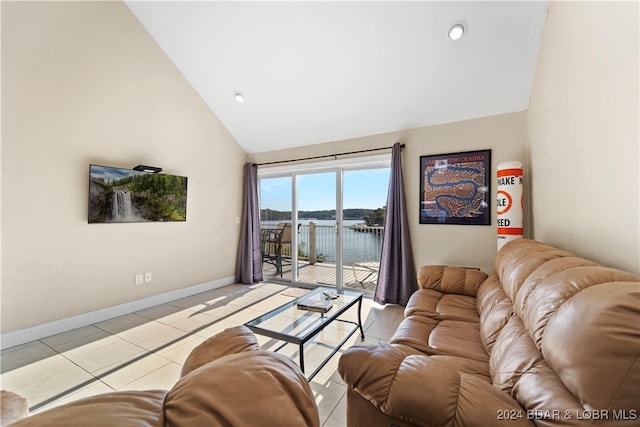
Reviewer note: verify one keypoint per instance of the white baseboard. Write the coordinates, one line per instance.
(11, 339)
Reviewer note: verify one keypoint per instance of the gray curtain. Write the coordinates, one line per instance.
(397, 275)
(249, 259)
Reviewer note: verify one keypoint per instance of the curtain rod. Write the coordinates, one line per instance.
(326, 155)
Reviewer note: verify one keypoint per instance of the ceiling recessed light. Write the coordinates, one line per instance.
(457, 30)
(239, 97)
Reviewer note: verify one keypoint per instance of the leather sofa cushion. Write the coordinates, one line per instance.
(244, 389)
(451, 279)
(513, 354)
(445, 337)
(123, 408)
(515, 264)
(495, 310)
(424, 390)
(537, 305)
(437, 305)
(592, 346)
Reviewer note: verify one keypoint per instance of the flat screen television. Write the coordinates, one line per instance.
(125, 195)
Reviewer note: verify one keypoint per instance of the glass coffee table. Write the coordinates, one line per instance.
(292, 325)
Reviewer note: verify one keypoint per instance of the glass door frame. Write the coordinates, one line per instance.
(338, 167)
(295, 222)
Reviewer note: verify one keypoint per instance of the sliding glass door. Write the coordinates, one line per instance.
(322, 225)
(276, 239)
(318, 245)
(364, 207)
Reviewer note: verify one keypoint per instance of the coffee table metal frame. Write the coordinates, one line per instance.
(347, 299)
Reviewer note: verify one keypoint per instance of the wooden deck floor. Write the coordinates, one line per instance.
(362, 276)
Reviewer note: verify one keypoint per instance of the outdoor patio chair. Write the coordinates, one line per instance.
(272, 242)
(363, 271)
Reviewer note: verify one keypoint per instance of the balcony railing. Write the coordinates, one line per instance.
(317, 255)
(317, 243)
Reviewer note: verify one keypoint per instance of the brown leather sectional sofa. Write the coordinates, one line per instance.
(548, 339)
(226, 381)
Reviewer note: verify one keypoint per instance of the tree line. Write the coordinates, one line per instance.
(369, 216)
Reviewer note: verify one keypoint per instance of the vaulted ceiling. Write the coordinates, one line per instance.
(313, 72)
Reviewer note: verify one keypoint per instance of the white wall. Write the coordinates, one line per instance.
(83, 82)
(583, 132)
(438, 244)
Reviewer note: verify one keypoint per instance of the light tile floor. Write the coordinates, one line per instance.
(146, 349)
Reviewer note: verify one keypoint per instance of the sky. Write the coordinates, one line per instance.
(365, 189)
(110, 173)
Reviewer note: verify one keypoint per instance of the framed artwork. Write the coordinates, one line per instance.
(455, 188)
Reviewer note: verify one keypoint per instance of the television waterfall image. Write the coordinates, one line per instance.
(126, 195)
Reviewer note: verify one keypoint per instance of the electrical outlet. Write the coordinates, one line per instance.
(147, 277)
(139, 279)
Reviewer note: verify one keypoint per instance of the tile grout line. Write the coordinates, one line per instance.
(72, 389)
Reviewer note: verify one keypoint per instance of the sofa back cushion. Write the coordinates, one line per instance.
(451, 279)
(536, 304)
(513, 354)
(593, 344)
(495, 310)
(515, 263)
(573, 340)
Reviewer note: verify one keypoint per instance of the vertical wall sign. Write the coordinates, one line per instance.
(510, 203)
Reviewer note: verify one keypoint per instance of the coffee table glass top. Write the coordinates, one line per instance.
(289, 321)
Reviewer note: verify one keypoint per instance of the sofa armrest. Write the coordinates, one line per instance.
(13, 407)
(450, 279)
(424, 390)
(230, 341)
(250, 388)
(115, 409)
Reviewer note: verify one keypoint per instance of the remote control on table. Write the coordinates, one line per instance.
(330, 295)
